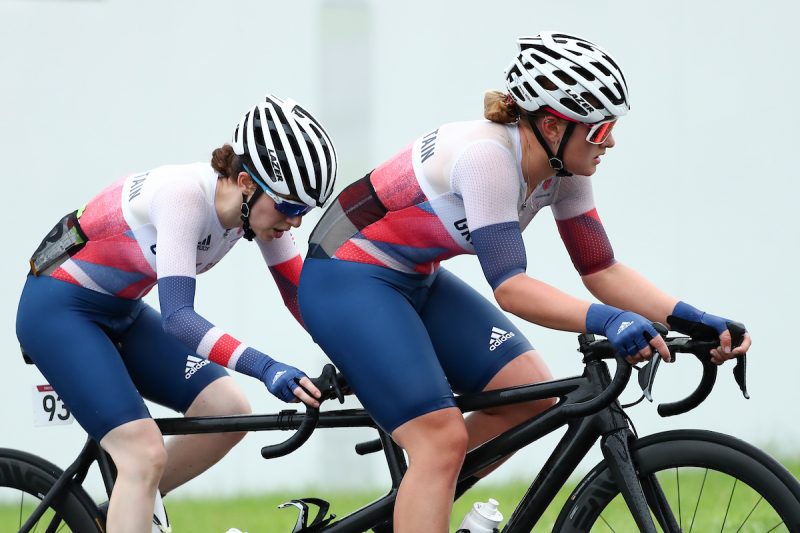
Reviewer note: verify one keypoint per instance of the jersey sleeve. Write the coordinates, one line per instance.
(285, 263)
(179, 212)
(580, 227)
(485, 176)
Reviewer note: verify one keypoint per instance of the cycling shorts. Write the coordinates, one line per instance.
(102, 354)
(405, 342)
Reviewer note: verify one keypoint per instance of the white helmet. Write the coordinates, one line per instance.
(572, 76)
(287, 150)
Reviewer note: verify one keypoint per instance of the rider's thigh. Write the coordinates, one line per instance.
(526, 368)
(222, 397)
(137, 448)
(440, 435)
(473, 339)
(364, 318)
(164, 370)
(65, 329)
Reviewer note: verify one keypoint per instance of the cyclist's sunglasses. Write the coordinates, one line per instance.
(599, 131)
(282, 205)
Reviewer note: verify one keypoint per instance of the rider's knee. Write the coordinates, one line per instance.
(445, 445)
(141, 455)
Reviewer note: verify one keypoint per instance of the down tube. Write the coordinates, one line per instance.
(572, 448)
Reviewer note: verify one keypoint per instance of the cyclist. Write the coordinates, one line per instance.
(415, 332)
(83, 323)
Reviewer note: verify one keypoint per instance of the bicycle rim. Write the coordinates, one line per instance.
(711, 483)
(24, 480)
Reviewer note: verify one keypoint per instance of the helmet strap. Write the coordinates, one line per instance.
(556, 161)
(247, 205)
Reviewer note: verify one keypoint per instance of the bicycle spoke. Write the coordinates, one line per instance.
(699, 496)
(776, 526)
(607, 524)
(728, 508)
(678, 484)
(746, 518)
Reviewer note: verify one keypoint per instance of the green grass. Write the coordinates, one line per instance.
(259, 514)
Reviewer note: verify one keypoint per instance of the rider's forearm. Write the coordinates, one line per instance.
(542, 304)
(623, 287)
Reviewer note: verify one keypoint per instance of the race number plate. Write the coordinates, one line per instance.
(48, 408)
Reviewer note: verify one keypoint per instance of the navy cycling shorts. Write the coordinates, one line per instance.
(72, 334)
(405, 342)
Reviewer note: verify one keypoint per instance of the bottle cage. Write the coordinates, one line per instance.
(319, 521)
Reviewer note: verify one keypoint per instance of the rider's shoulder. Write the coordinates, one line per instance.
(180, 176)
(478, 131)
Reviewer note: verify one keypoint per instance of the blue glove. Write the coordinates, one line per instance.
(281, 380)
(695, 323)
(627, 331)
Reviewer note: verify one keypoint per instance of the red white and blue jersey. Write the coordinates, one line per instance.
(162, 227)
(458, 189)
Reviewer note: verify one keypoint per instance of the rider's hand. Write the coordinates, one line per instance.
(289, 384)
(632, 335)
(699, 325)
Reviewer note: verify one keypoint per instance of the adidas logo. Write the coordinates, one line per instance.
(277, 376)
(205, 244)
(498, 337)
(624, 326)
(193, 364)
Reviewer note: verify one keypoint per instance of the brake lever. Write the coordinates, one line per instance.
(328, 384)
(647, 374)
(740, 370)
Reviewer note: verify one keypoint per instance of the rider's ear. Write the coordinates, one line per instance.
(246, 183)
(552, 128)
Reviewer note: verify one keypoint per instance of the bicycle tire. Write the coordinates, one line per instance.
(34, 476)
(596, 497)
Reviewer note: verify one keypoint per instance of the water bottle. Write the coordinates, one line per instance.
(482, 518)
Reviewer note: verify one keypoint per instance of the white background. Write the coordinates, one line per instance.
(699, 193)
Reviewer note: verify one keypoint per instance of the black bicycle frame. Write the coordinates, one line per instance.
(587, 406)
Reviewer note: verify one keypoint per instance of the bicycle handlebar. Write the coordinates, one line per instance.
(333, 385)
(700, 348)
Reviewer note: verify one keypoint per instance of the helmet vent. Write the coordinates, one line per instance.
(585, 45)
(518, 94)
(612, 62)
(543, 49)
(611, 96)
(545, 82)
(566, 78)
(593, 100)
(529, 89)
(573, 106)
(583, 73)
(601, 67)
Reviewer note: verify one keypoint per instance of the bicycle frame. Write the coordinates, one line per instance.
(581, 407)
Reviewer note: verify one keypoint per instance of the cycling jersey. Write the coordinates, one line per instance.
(167, 216)
(459, 189)
(77, 318)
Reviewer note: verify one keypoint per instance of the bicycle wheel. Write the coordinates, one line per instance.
(24, 480)
(712, 482)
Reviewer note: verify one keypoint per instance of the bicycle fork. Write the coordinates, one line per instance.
(641, 495)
